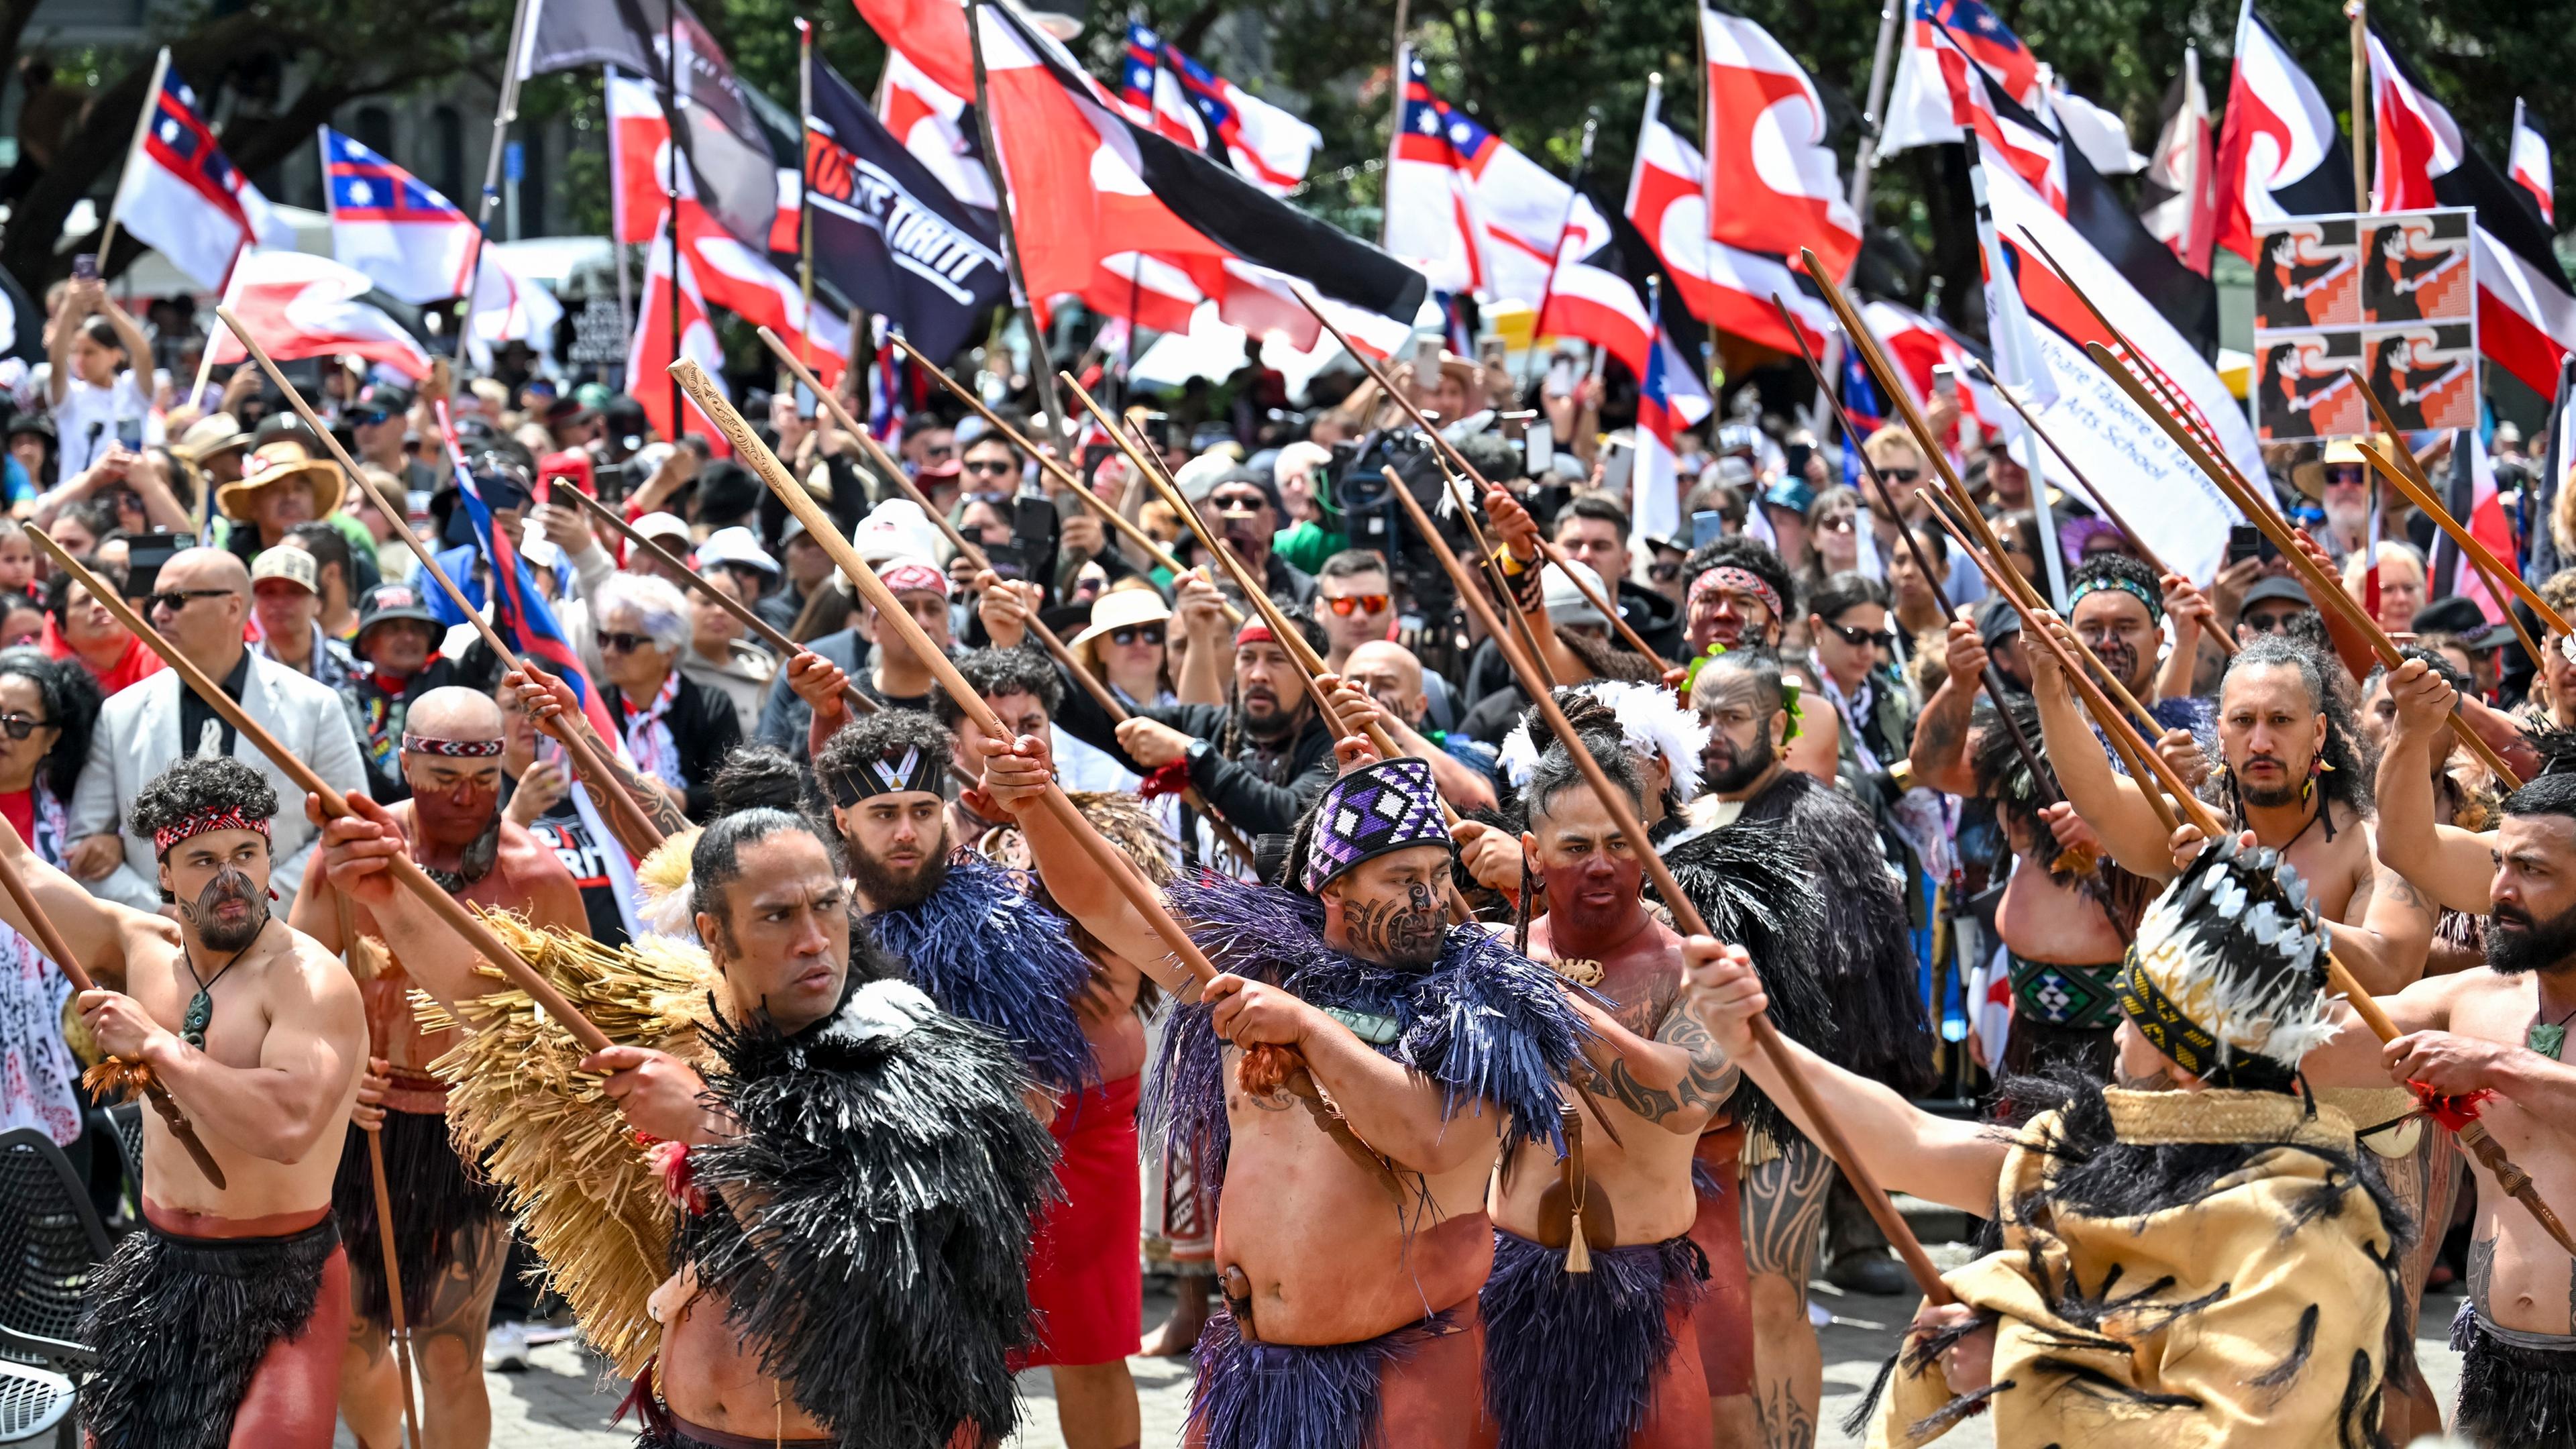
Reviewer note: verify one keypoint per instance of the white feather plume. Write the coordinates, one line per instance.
(1651, 721)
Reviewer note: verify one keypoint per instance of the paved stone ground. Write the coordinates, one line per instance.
(563, 1402)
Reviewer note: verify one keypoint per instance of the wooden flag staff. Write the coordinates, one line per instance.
(1121, 872)
(1686, 917)
(584, 759)
(403, 868)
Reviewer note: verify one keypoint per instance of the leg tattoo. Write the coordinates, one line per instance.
(1784, 1211)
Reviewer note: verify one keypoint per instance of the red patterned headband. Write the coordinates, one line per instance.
(230, 817)
(453, 749)
(1742, 581)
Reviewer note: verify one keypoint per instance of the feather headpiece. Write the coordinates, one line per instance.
(2228, 977)
(1651, 721)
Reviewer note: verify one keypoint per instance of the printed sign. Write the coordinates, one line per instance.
(2390, 295)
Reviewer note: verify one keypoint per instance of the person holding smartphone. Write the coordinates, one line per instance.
(100, 388)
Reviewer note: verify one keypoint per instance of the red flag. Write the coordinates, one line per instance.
(1767, 157)
(653, 351)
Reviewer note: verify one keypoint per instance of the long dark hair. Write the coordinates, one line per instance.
(2350, 765)
(71, 702)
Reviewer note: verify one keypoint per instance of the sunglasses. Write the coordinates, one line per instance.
(1860, 638)
(1349, 604)
(369, 417)
(1137, 634)
(939, 450)
(624, 643)
(1901, 475)
(175, 600)
(991, 468)
(2268, 622)
(1240, 503)
(1664, 573)
(19, 726)
(1838, 523)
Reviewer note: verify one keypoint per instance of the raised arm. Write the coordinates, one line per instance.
(1908, 1150)
(2113, 804)
(2354, 1056)
(1707, 1075)
(545, 697)
(2454, 867)
(129, 335)
(1940, 748)
(1014, 781)
(2387, 931)
(353, 855)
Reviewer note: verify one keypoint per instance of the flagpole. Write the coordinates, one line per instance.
(805, 184)
(142, 128)
(1865, 160)
(2359, 14)
(1396, 81)
(1556, 254)
(501, 119)
(670, 99)
(1057, 423)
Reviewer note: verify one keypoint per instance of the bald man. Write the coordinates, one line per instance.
(200, 604)
(1463, 768)
(449, 1236)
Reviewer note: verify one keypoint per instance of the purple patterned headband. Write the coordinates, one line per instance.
(453, 749)
(1389, 806)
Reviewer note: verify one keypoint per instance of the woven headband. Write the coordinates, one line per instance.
(2187, 1043)
(913, 770)
(1744, 581)
(230, 817)
(2130, 587)
(453, 749)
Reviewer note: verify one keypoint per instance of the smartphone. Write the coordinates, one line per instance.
(1797, 459)
(1539, 447)
(1561, 377)
(1945, 379)
(144, 557)
(1618, 460)
(1491, 351)
(84, 266)
(1426, 357)
(1707, 527)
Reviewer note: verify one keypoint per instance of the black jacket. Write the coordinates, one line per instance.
(1252, 800)
(704, 727)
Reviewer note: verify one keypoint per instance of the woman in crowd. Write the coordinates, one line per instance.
(80, 627)
(1833, 536)
(676, 729)
(47, 709)
(1127, 644)
(720, 658)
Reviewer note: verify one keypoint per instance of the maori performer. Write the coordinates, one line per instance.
(1589, 1335)
(449, 1239)
(2192, 1253)
(1860, 959)
(856, 1169)
(1349, 1268)
(219, 1324)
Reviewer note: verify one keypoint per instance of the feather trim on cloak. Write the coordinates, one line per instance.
(898, 1173)
(571, 1173)
(1757, 889)
(988, 953)
(664, 900)
(1491, 1026)
(1863, 956)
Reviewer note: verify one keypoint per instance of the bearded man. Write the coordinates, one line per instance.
(855, 1169)
(449, 1236)
(1349, 1271)
(1862, 961)
(220, 1323)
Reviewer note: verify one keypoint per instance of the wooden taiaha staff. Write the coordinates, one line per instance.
(851, 694)
(1151, 472)
(2110, 513)
(1892, 387)
(405, 871)
(1091, 683)
(1686, 917)
(49, 939)
(1126, 527)
(2406, 471)
(2325, 591)
(2472, 1133)
(1284, 1065)
(1489, 565)
(396, 1328)
(1548, 551)
(1991, 681)
(583, 758)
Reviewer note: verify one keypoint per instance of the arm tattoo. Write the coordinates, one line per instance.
(648, 794)
(1711, 1080)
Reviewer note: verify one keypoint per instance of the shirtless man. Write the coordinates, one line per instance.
(2290, 772)
(801, 999)
(448, 1232)
(1607, 1357)
(2500, 1028)
(1350, 1273)
(221, 1324)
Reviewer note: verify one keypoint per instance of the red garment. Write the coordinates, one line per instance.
(1086, 1280)
(293, 1401)
(1724, 1321)
(18, 807)
(137, 662)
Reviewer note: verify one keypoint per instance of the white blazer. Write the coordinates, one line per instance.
(138, 738)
